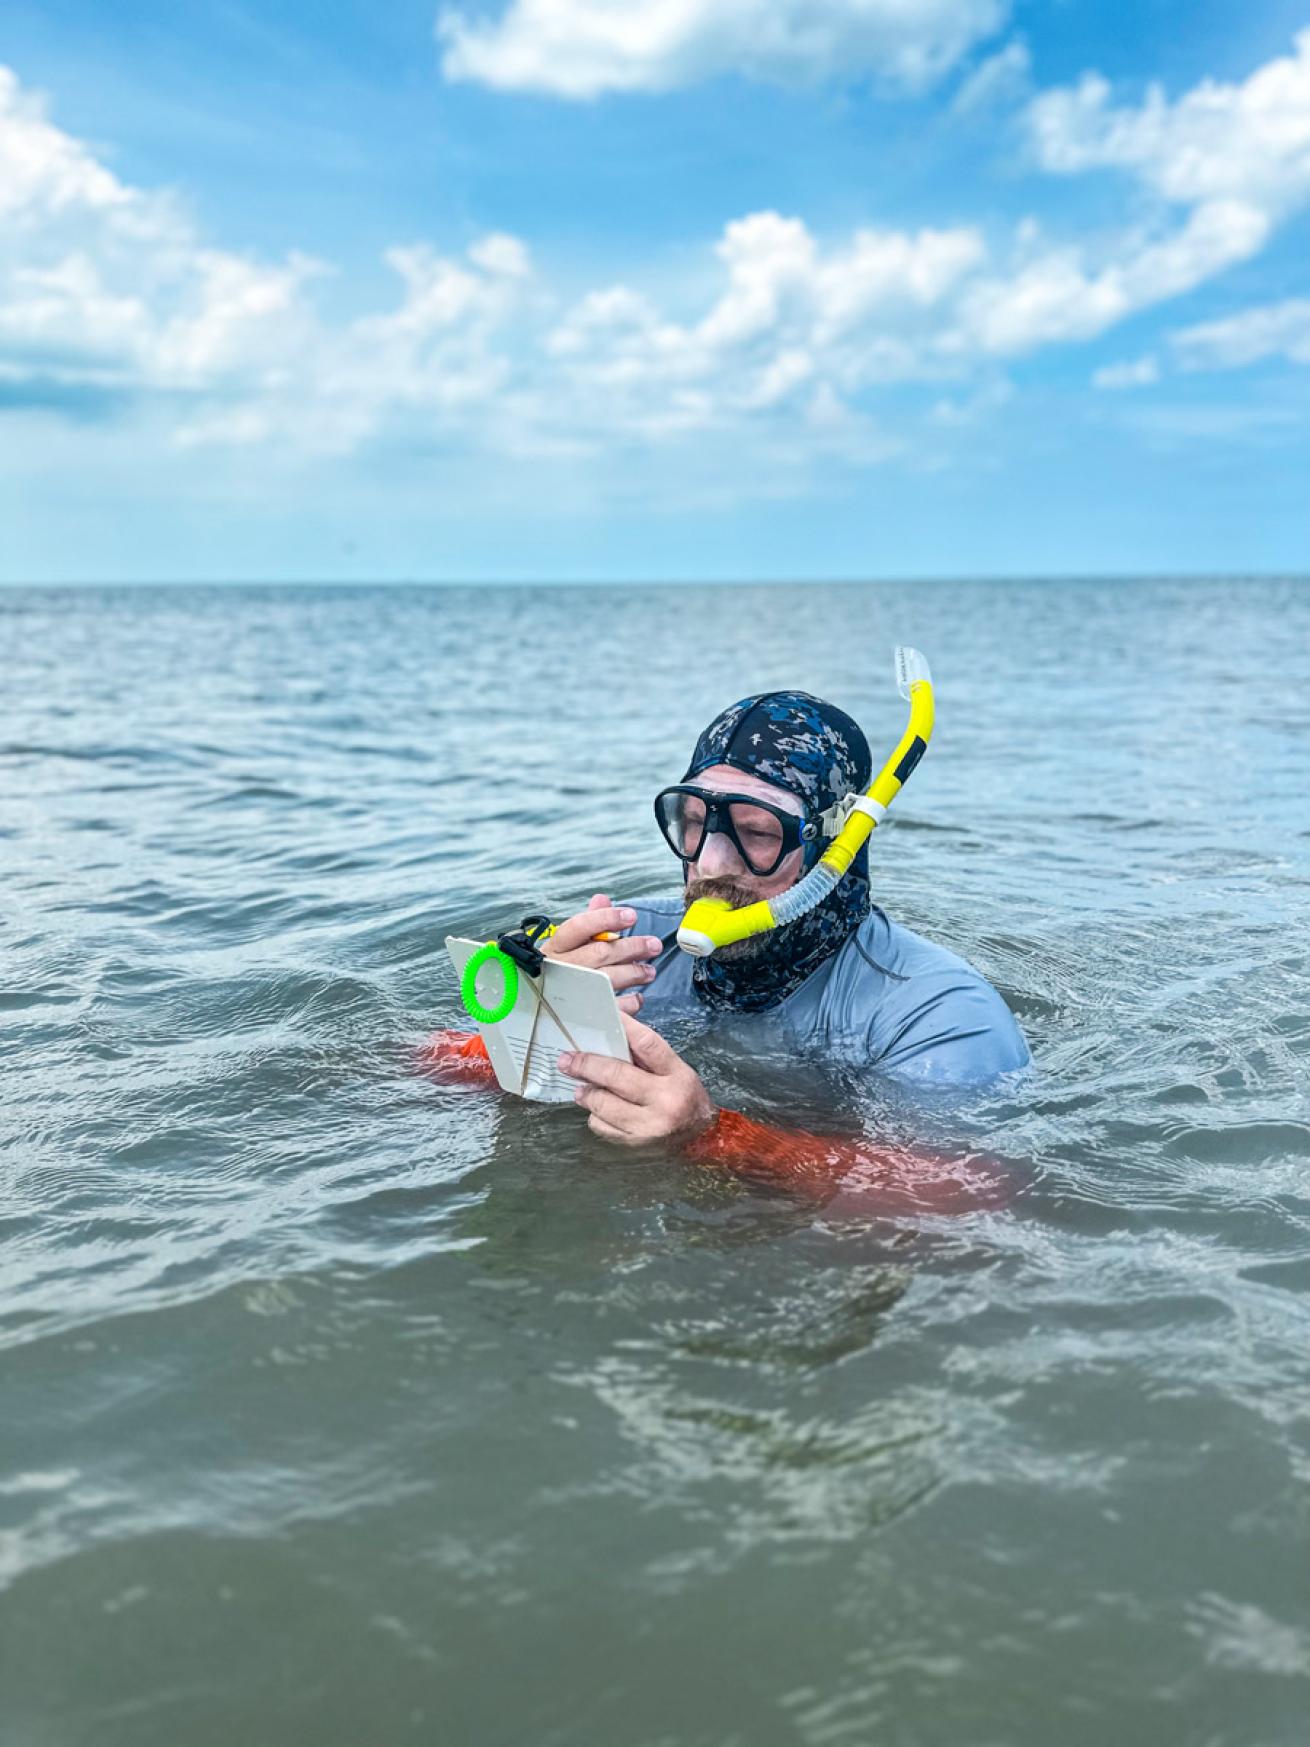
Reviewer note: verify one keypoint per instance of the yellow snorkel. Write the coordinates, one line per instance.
(712, 922)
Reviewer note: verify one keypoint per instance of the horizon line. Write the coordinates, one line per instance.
(990, 578)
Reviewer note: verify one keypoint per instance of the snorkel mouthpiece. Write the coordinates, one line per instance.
(712, 922)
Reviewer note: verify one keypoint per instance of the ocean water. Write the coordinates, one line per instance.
(340, 1406)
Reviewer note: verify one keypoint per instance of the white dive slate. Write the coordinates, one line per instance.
(524, 1046)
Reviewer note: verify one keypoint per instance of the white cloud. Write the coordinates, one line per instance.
(1056, 296)
(1001, 78)
(111, 289)
(105, 284)
(501, 254)
(1132, 373)
(65, 306)
(111, 277)
(1248, 143)
(584, 48)
(433, 359)
(1236, 155)
(798, 330)
(1274, 330)
(778, 277)
(233, 316)
(42, 169)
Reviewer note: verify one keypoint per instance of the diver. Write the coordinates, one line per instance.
(771, 781)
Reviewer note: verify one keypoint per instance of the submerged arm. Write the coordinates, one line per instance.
(867, 1174)
(458, 1056)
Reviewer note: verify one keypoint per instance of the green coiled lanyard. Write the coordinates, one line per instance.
(491, 953)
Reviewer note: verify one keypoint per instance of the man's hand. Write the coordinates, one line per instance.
(656, 1096)
(623, 961)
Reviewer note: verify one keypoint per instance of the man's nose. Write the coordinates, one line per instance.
(718, 856)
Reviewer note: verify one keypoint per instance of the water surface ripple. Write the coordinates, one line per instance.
(342, 1406)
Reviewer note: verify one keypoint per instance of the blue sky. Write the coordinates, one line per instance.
(616, 289)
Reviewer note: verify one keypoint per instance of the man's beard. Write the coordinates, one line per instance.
(737, 893)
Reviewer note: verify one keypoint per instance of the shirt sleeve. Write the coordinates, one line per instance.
(867, 1175)
(458, 1057)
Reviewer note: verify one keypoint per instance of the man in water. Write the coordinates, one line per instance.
(755, 810)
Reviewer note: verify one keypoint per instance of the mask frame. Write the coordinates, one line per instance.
(718, 803)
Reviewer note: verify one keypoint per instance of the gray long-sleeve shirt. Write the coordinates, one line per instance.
(886, 998)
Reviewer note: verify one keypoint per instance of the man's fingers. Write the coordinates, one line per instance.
(609, 1121)
(587, 924)
(623, 977)
(598, 902)
(616, 1111)
(649, 1050)
(630, 1004)
(599, 955)
(611, 1076)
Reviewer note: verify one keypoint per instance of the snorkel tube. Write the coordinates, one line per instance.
(712, 922)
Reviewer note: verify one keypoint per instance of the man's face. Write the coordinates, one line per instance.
(720, 872)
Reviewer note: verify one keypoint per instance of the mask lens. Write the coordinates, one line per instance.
(682, 820)
(759, 836)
